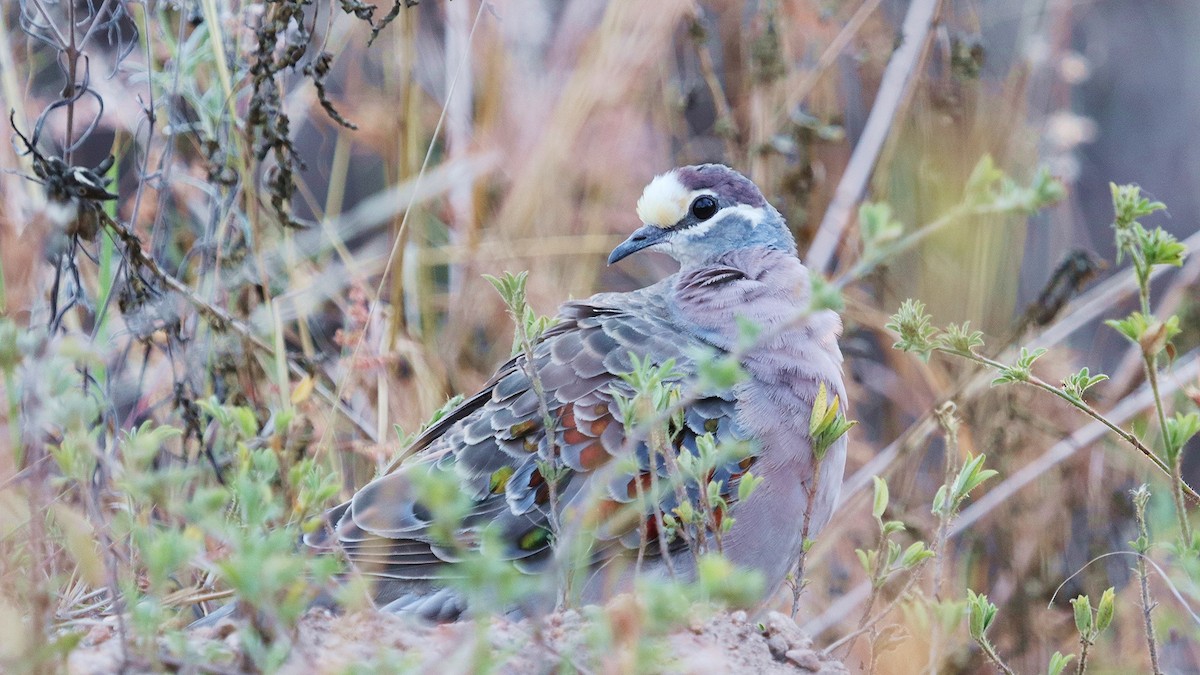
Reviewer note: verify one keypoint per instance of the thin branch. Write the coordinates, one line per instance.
(1088, 410)
(1188, 366)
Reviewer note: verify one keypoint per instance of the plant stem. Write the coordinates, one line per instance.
(990, 652)
(1081, 667)
(849, 639)
(1147, 604)
(1086, 409)
(877, 578)
(1150, 363)
(71, 52)
(949, 424)
(1174, 455)
(548, 422)
(798, 574)
(660, 528)
(864, 266)
(1147, 607)
(697, 541)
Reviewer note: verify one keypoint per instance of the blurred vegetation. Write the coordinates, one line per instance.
(243, 248)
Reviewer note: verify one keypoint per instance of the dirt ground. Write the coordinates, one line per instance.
(562, 642)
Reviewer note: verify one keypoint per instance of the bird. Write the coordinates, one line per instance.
(562, 399)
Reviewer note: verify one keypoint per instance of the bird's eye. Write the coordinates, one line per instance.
(704, 207)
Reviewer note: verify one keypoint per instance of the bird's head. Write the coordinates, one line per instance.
(695, 214)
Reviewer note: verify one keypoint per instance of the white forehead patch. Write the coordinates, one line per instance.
(664, 202)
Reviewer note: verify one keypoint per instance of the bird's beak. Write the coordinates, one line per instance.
(643, 237)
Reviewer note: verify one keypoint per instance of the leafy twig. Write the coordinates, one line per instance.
(885, 562)
(1091, 623)
(917, 335)
(826, 425)
(980, 615)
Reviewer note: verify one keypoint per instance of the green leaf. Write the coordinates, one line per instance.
(1083, 616)
(893, 553)
(246, 421)
(10, 351)
(144, 443)
(865, 559)
(1132, 326)
(1046, 190)
(511, 287)
(980, 187)
(877, 228)
(719, 581)
(719, 371)
(820, 406)
(1075, 385)
(1106, 609)
(824, 295)
(915, 554)
(881, 498)
(686, 513)
(1146, 331)
(1129, 205)
(989, 188)
(970, 476)
(1022, 370)
(1159, 247)
(915, 329)
(826, 424)
(1058, 663)
(960, 338)
(939, 500)
(980, 614)
(747, 484)
(1180, 430)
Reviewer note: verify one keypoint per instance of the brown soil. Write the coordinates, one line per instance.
(375, 642)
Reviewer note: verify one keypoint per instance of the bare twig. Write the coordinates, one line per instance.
(879, 123)
(797, 94)
(726, 124)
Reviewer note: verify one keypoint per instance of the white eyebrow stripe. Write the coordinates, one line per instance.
(751, 214)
